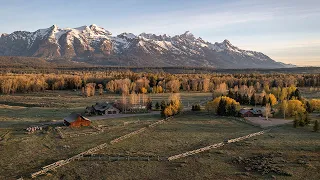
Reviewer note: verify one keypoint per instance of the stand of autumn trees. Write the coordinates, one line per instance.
(286, 101)
(117, 82)
(246, 89)
(223, 106)
(172, 107)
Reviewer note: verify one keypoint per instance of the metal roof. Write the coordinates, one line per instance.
(73, 117)
(103, 106)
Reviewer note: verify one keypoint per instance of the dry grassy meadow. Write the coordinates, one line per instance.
(294, 151)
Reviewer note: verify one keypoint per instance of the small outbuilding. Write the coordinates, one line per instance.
(246, 113)
(253, 112)
(76, 120)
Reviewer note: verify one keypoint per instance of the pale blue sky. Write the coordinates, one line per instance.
(286, 30)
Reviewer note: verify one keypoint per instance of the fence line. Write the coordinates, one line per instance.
(3, 135)
(189, 153)
(127, 135)
(59, 132)
(137, 122)
(60, 163)
(95, 157)
(97, 128)
(83, 134)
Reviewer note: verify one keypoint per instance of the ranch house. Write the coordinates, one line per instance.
(102, 109)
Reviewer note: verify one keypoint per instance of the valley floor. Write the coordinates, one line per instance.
(284, 152)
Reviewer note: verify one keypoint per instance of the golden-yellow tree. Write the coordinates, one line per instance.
(212, 106)
(295, 107)
(315, 104)
(174, 106)
(273, 99)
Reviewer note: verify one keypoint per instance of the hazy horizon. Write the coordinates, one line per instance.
(286, 31)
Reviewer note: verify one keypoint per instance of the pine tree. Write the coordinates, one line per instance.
(196, 107)
(162, 113)
(232, 110)
(297, 94)
(230, 94)
(253, 100)
(157, 106)
(269, 101)
(240, 98)
(246, 99)
(295, 122)
(308, 107)
(307, 118)
(163, 105)
(316, 126)
(301, 120)
(219, 109)
(222, 108)
(149, 104)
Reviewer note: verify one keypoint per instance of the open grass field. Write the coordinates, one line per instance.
(73, 99)
(296, 152)
(310, 93)
(22, 154)
(55, 105)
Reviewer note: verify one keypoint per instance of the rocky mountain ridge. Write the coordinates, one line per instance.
(95, 45)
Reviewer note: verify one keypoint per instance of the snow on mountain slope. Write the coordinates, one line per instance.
(96, 45)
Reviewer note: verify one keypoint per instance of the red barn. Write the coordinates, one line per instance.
(76, 120)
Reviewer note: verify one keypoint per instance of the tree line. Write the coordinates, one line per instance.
(127, 81)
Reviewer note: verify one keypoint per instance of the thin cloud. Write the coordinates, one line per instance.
(216, 16)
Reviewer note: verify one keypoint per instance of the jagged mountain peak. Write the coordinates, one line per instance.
(54, 27)
(127, 35)
(224, 45)
(99, 30)
(97, 45)
(94, 25)
(188, 35)
(227, 42)
(3, 34)
(154, 36)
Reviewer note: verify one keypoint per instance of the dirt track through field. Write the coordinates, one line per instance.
(263, 122)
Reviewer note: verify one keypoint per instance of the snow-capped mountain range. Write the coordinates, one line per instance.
(95, 45)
